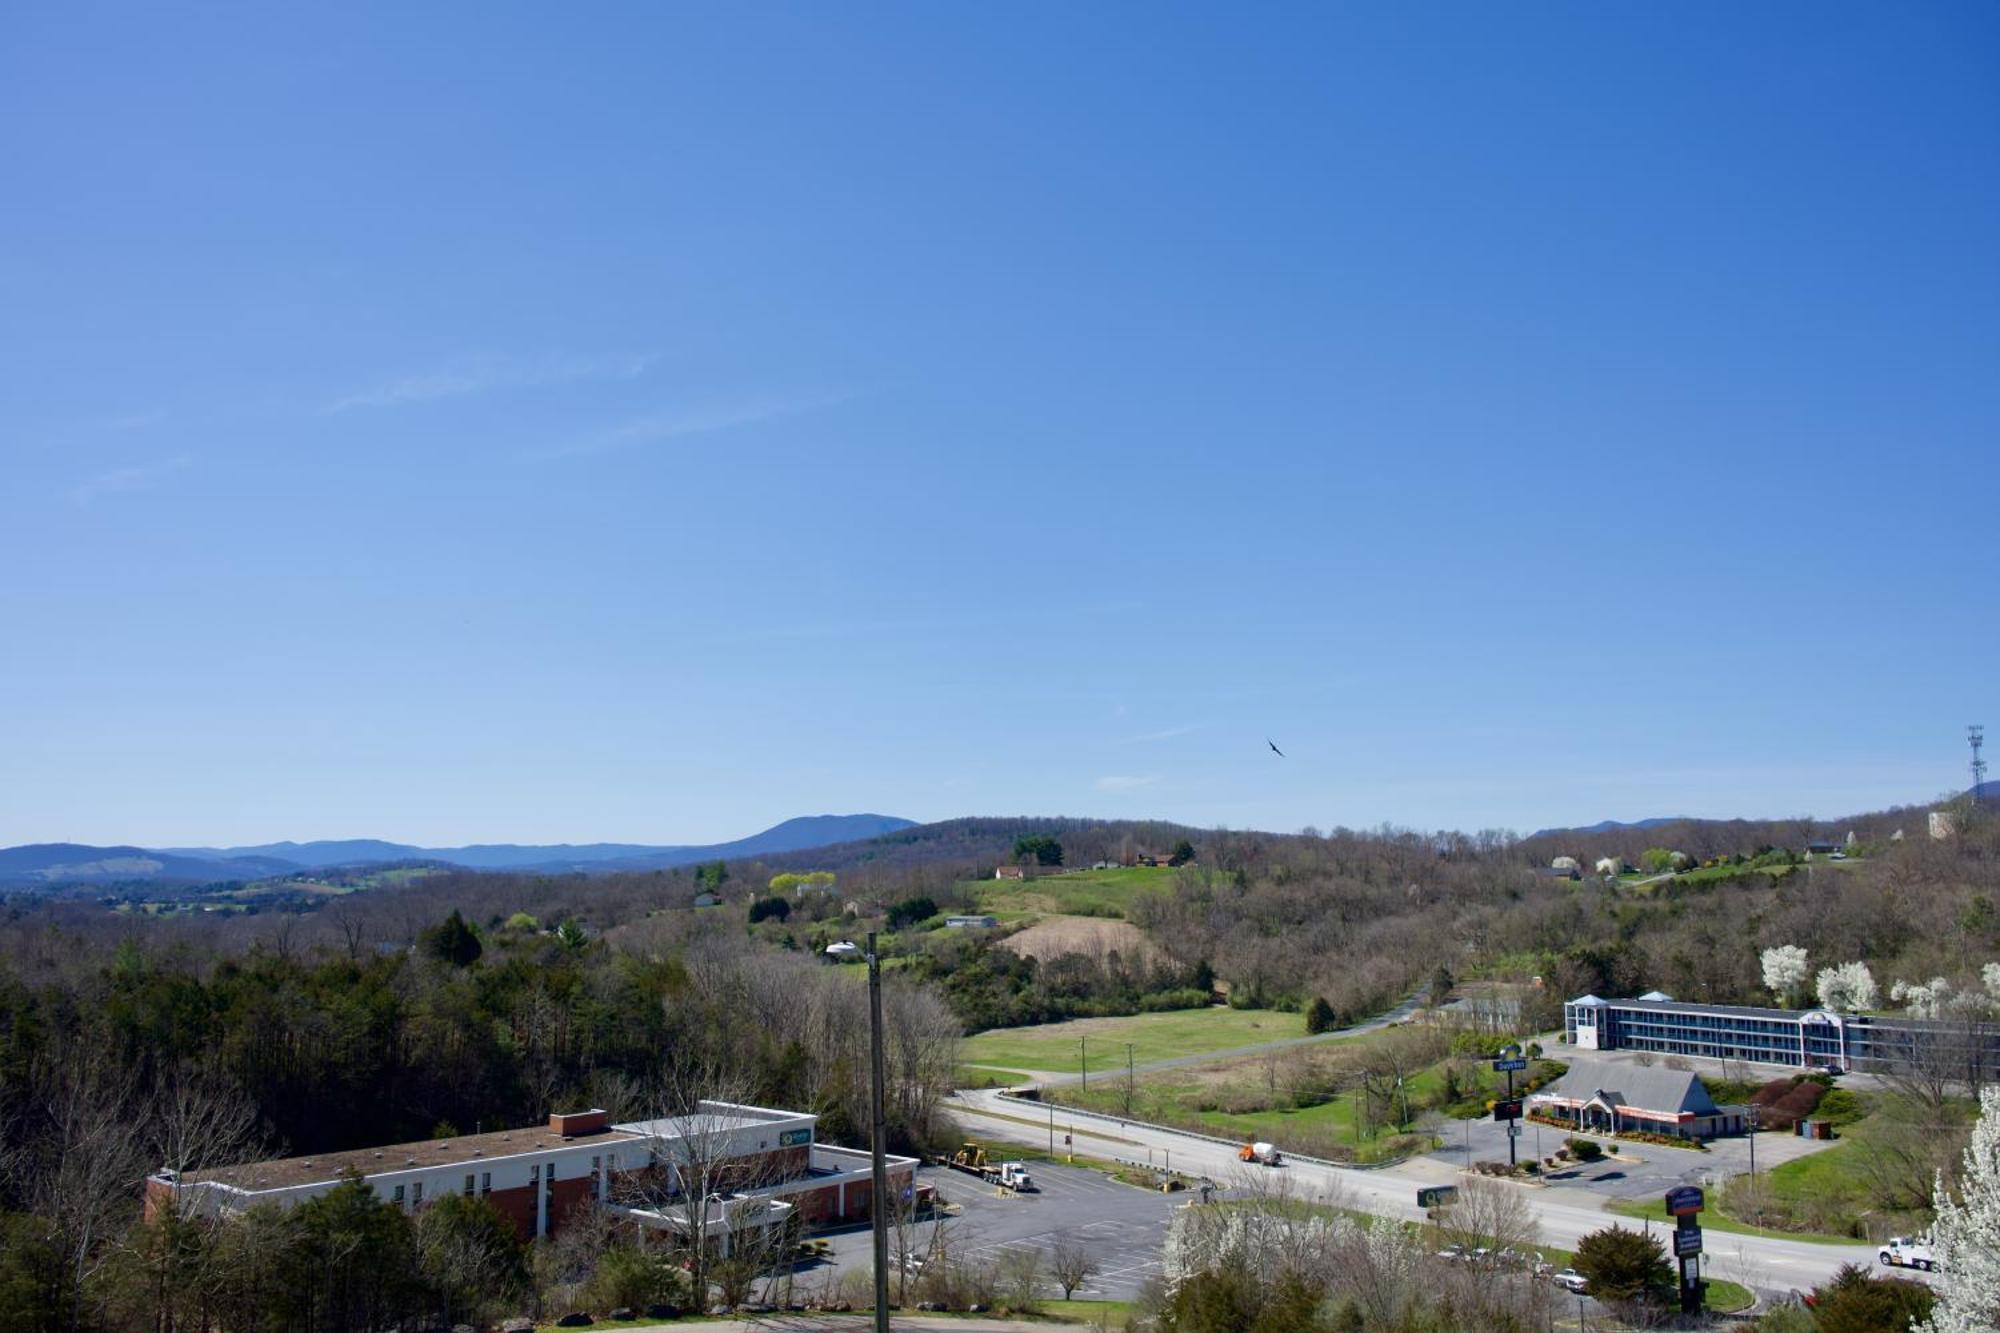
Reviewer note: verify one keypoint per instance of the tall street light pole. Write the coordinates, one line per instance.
(878, 1194)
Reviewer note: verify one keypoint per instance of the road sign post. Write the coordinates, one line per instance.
(1509, 1061)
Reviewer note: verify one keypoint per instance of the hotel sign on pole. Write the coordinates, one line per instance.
(1684, 1203)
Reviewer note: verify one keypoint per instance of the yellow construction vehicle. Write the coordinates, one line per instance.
(971, 1158)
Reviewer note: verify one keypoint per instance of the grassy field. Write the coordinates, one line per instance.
(1054, 1047)
(1079, 893)
(1200, 1098)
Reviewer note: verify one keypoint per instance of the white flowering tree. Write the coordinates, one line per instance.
(1925, 999)
(1785, 970)
(1847, 987)
(1966, 1236)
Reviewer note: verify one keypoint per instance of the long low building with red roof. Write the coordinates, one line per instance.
(755, 1165)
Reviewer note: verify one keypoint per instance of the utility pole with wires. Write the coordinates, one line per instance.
(1975, 736)
(878, 1194)
(1083, 1058)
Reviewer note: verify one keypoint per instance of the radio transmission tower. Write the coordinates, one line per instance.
(1975, 736)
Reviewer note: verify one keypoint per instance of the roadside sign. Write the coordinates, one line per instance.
(1684, 1200)
(1434, 1196)
(1512, 1065)
(1513, 1131)
(1507, 1110)
(1687, 1244)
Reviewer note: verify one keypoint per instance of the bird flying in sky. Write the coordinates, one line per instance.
(1274, 747)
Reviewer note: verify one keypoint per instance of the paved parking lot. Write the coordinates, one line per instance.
(1637, 1170)
(1123, 1226)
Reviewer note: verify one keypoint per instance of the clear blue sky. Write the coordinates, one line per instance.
(647, 422)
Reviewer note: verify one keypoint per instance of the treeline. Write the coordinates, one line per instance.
(310, 1049)
(990, 986)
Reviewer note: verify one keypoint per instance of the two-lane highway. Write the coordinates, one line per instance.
(1767, 1263)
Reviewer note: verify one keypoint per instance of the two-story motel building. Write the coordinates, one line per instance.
(1801, 1038)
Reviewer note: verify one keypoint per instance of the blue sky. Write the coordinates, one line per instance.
(648, 423)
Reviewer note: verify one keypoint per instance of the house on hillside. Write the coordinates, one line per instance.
(1010, 872)
(1560, 872)
(1605, 1098)
(971, 922)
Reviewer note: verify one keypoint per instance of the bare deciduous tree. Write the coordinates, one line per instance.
(1071, 1263)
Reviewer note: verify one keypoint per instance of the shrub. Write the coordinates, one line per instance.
(1839, 1107)
(1622, 1265)
(767, 909)
(1858, 1302)
(627, 1276)
(909, 912)
(1584, 1150)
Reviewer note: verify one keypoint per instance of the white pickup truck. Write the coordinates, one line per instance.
(1906, 1252)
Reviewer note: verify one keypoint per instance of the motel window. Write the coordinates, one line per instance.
(485, 1182)
(417, 1192)
(535, 1174)
(468, 1182)
(399, 1194)
(596, 1165)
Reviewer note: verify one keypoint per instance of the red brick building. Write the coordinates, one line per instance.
(755, 1165)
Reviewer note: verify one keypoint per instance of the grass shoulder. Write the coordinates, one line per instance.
(1655, 1210)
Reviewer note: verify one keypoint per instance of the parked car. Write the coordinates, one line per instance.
(1452, 1252)
(1572, 1281)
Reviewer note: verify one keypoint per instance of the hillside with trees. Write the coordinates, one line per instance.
(461, 1001)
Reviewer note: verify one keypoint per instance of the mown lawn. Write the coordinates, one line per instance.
(1114, 1313)
(1060, 1047)
(1236, 1098)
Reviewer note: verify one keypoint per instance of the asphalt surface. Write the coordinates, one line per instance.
(1565, 1212)
(1124, 1227)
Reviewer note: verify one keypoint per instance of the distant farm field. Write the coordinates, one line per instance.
(1105, 893)
(1056, 1047)
(1095, 936)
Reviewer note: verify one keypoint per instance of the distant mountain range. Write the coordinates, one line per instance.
(1613, 825)
(58, 864)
